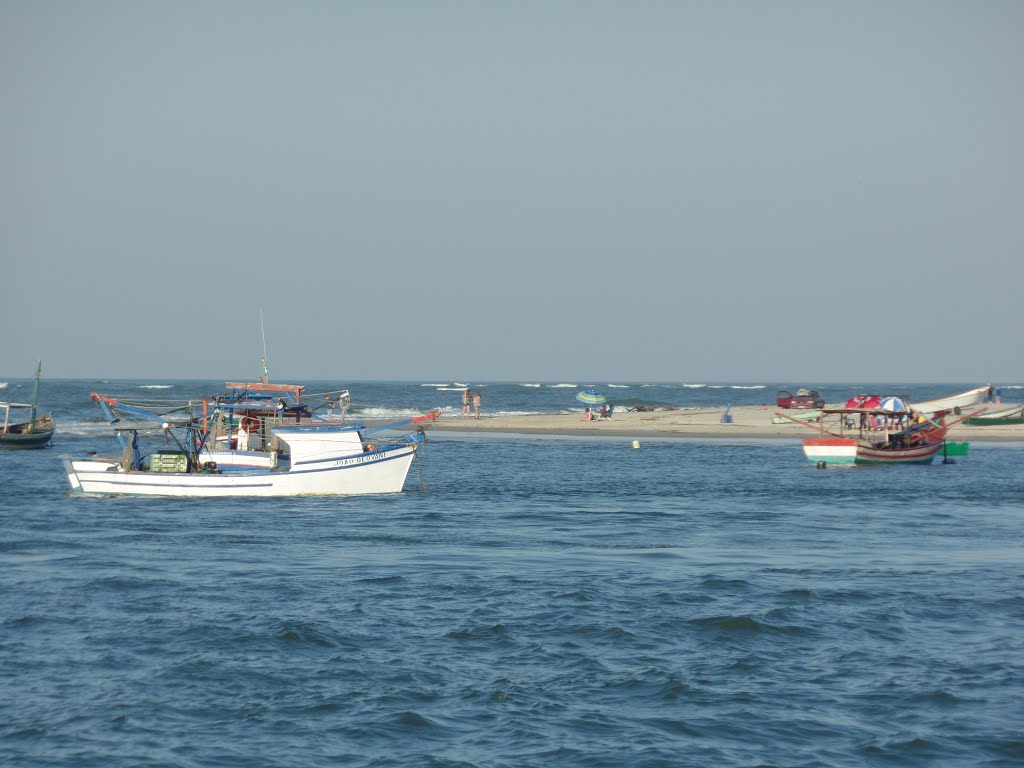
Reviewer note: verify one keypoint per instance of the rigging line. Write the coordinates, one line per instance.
(423, 485)
(320, 394)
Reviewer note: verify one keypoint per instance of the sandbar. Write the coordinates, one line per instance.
(746, 422)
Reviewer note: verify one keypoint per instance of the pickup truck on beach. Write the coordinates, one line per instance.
(804, 398)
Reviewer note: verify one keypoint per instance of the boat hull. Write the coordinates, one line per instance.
(1013, 415)
(921, 454)
(962, 400)
(18, 436)
(842, 451)
(28, 440)
(831, 450)
(374, 472)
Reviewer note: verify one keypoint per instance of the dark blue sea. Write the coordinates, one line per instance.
(527, 601)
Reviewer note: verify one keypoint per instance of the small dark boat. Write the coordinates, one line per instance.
(19, 425)
(34, 433)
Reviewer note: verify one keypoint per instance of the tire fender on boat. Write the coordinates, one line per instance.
(249, 424)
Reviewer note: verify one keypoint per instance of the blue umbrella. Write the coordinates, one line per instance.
(892, 404)
(590, 397)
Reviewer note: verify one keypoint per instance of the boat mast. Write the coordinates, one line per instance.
(35, 397)
(265, 379)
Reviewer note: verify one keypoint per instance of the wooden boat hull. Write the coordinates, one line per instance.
(1013, 415)
(18, 436)
(921, 454)
(831, 450)
(845, 451)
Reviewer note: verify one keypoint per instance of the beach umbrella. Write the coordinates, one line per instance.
(863, 401)
(892, 404)
(590, 397)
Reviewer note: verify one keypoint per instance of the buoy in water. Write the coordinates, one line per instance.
(636, 443)
(821, 465)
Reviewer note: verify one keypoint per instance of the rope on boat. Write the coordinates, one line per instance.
(423, 485)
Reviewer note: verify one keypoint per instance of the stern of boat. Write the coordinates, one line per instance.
(841, 451)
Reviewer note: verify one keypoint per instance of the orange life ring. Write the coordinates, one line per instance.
(250, 424)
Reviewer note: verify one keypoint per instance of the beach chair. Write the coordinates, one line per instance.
(606, 413)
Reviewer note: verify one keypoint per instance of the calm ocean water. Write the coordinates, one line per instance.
(543, 602)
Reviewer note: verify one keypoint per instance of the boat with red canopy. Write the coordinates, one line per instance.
(871, 429)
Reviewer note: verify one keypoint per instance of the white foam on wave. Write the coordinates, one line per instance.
(434, 385)
(751, 386)
(561, 386)
(695, 386)
(84, 428)
(156, 386)
(618, 386)
(532, 386)
(450, 389)
(379, 412)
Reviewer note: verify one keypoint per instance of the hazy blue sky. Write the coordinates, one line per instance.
(672, 191)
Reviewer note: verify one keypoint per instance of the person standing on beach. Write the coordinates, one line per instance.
(476, 402)
(466, 397)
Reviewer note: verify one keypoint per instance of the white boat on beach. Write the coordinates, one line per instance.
(963, 400)
(270, 456)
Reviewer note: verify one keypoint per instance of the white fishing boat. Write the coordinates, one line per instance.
(271, 456)
(954, 402)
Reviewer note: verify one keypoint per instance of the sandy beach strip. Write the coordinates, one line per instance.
(747, 422)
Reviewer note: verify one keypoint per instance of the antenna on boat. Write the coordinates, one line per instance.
(265, 378)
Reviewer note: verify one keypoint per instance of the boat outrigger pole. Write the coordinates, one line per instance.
(265, 379)
(191, 448)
